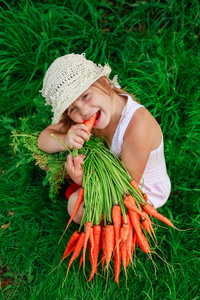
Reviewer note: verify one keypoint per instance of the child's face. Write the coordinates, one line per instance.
(94, 100)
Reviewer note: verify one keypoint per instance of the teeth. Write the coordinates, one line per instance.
(92, 116)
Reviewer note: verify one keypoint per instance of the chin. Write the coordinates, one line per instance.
(101, 125)
(102, 122)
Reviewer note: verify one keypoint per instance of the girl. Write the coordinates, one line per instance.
(76, 88)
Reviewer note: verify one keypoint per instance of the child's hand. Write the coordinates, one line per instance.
(76, 136)
(74, 168)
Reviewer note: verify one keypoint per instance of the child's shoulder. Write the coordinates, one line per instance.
(143, 129)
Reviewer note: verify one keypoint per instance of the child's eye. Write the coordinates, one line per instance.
(71, 110)
(84, 96)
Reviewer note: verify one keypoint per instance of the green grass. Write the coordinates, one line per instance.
(154, 48)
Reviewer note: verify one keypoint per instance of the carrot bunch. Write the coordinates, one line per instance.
(114, 241)
(117, 216)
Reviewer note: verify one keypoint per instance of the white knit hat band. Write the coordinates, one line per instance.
(68, 78)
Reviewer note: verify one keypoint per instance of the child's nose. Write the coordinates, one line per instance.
(85, 110)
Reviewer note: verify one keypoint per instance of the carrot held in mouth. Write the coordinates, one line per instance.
(90, 122)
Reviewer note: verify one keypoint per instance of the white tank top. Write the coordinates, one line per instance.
(157, 184)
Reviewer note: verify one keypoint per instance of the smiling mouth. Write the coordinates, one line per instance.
(98, 115)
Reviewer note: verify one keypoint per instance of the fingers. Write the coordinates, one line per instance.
(81, 130)
(69, 163)
(74, 164)
(82, 127)
(76, 139)
(83, 135)
(78, 162)
(74, 168)
(81, 155)
(79, 140)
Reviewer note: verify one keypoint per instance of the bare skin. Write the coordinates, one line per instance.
(142, 135)
(70, 207)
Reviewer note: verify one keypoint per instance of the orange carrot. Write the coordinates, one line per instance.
(129, 245)
(141, 240)
(110, 243)
(128, 219)
(123, 251)
(116, 216)
(96, 235)
(147, 225)
(153, 212)
(128, 239)
(103, 243)
(135, 186)
(128, 257)
(71, 244)
(129, 202)
(87, 234)
(133, 242)
(81, 260)
(90, 122)
(90, 255)
(124, 232)
(77, 250)
(143, 243)
(145, 197)
(117, 262)
(135, 222)
(91, 245)
(78, 202)
(151, 228)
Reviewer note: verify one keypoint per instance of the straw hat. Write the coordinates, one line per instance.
(67, 78)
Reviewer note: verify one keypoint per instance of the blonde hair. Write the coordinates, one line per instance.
(104, 86)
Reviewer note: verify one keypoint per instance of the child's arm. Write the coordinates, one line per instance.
(142, 136)
(74, 138)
